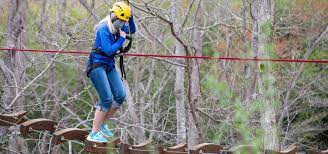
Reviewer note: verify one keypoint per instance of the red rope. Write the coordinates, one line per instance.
(175, 57)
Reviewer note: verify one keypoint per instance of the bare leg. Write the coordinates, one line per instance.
(98, 120)
(111, 112)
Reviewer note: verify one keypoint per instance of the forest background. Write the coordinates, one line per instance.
(171, 101)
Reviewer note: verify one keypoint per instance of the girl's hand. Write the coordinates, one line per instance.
(122, 33)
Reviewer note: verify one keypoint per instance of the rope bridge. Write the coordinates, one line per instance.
(116, 145)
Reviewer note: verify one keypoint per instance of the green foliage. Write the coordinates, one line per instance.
(219, 89)
(284, 5)
(270, 49)
(266, 28)
(3, 26)
(208, 49)
(242, 114)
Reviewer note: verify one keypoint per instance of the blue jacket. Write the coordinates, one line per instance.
(105, 41)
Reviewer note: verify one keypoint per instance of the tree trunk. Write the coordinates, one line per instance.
(262, 11)
(50, 111)
(138, 131)
(249, 87)
(193, 135)
(179, 86)
(13, 68)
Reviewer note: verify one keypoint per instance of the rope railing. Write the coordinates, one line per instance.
(317, 61)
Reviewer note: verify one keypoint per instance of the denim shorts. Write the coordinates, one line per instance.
(109, 87)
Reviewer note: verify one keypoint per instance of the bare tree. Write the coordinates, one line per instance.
(179, 88)
(13, 67)
(195, 92)
(262, 15)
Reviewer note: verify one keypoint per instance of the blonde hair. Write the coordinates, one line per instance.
(110, 24)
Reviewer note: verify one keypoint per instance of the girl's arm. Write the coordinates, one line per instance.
(131, 25)
(108, 44)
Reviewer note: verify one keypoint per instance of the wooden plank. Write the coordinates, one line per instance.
(69, 134)
(39, 125)
(95, 147)
(206, 148)
(13, 118)
(102, 148)
(244, 149)
(142, 148)
(317, 152)
(177, 149)
(289, 150)
(142, 145)
(180, 147)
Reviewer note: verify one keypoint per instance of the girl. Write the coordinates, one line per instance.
(110, 36)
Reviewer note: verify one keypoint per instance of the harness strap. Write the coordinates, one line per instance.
(120, 54)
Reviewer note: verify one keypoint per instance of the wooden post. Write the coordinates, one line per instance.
(124, 148)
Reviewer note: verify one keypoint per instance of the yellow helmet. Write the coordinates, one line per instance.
(121, 10)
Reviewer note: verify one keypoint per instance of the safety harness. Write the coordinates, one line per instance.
(120, 54)
(122, 50)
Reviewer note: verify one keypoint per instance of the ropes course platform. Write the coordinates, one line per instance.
(117, 146)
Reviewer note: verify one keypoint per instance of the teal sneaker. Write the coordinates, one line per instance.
(105, 131)
(97, 137)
